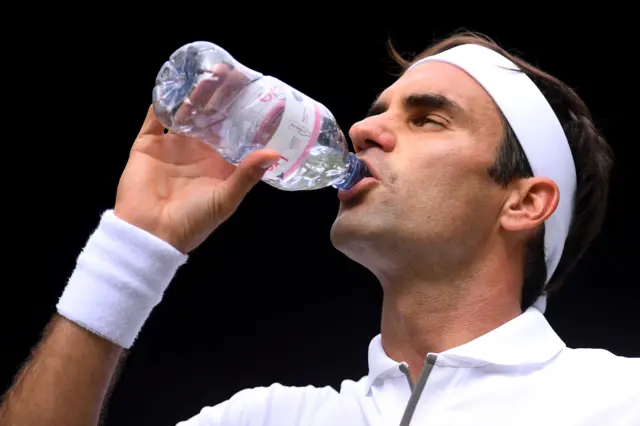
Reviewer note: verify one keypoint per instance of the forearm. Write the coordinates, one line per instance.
(65, 381)
(120, 276)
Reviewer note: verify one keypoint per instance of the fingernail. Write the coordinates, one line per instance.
(268, 163)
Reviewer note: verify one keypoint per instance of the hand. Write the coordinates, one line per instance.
(209, 98)
(179, 188)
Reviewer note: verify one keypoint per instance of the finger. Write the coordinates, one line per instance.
(211, 133)
(207, 86)
(248, 174)
(200, 96)
(232, 85)
(269, 126)
(151, 125)
(184, 113)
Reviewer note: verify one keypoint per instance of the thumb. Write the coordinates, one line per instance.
(248, 174)
(151, 125)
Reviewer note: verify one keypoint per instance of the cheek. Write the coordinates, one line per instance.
(446, 188)
(439, 174)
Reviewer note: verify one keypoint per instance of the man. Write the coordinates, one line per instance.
(477, 173)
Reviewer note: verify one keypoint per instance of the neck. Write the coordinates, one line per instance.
(422, 315)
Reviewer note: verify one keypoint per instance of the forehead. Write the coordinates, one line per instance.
(446, 80)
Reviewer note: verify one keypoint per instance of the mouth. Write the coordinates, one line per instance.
(363, 186)
(372, 170)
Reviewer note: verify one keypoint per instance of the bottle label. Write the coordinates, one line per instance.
(297, 132)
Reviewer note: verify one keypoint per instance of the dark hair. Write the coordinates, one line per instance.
(592, 156)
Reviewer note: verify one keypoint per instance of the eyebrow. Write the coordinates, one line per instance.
(431, 101)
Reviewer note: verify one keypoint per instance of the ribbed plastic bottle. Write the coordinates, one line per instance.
(203, 92)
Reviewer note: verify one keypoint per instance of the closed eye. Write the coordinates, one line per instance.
(421, 121)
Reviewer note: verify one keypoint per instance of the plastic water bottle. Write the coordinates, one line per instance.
(203, 92)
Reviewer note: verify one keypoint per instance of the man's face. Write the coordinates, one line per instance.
(430, 138)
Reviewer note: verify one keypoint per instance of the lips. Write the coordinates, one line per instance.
(358, 189)
(361, 187)
(372, 170)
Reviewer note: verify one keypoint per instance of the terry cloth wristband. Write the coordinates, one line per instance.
(120, 276)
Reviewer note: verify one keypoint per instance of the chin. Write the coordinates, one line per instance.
(357, 235)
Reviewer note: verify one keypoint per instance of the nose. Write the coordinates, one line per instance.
(372, 132)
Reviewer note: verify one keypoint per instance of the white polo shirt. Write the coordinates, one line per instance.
(518, 374)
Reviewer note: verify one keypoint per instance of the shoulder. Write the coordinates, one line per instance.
(600, 364)
(273, 405)
(598, 380)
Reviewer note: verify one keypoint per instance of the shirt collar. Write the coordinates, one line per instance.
(527, 340)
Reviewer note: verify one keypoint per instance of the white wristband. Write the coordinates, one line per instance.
(119, 278)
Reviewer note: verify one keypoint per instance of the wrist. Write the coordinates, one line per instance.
(153, 227)
(120, 276)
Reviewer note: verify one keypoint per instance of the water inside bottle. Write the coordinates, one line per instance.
(323, 166)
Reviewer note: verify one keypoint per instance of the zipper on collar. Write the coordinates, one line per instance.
(416, 390)
(404, 367)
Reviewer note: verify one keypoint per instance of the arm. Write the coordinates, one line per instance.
(119, 278)
(173, 193)
(65, 381)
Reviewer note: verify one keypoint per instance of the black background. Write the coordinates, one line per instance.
(267, 298)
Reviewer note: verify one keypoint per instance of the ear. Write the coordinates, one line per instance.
(529, 203)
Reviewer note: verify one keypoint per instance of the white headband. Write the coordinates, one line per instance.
(536, 127)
